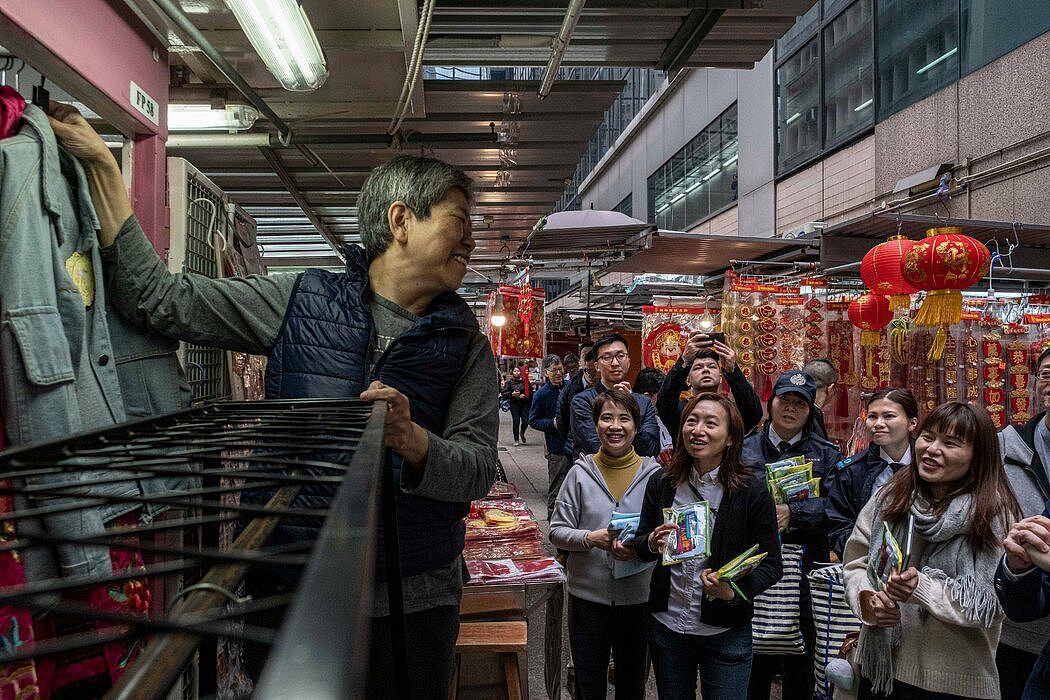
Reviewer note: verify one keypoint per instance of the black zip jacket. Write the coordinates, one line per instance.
(745, 518)
(669, 406)
(809, 522)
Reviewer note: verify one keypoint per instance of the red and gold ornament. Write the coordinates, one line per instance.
(870, 313)
(943, 264)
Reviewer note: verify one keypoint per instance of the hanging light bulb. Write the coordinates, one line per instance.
(707, 321)
(498, 317)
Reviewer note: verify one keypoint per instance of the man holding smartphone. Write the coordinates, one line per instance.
(706, 359)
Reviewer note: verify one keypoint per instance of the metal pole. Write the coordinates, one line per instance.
(160, 665)
(559, 46)
(395, 594)
(174, 12)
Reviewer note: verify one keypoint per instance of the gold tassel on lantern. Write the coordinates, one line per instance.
(941, 308)
(899, 302)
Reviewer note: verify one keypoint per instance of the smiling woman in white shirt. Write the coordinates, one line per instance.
(893, 415)
(697, 623)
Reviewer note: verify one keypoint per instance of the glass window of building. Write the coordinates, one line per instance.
(626, 206)
(700, 179)
(918, 50)
(798, 105)
(991, 28)
(849, 104)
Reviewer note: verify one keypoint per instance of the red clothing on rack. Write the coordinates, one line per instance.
(11, 107)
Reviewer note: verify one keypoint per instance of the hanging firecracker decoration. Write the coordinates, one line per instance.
(870, 313)
(943, 264)
(525, 308)
(881, 271)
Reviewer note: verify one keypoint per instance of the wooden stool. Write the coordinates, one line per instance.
(507, 639)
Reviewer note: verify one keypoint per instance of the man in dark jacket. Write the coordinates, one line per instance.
(586, 377)
(789, 433)
(542, 417)
(703, 364)
(1024, 592)
(1026, 458)
(825, 379)
(332, 335)
(613, 361)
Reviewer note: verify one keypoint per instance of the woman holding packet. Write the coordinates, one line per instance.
(920, 563)
(607, 590)
(698, 621)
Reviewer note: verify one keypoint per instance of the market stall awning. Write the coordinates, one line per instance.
(673, 252)
(844, 244)
(585, 235)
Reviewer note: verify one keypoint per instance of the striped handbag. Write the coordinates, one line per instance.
(833, 618)
(775, 626)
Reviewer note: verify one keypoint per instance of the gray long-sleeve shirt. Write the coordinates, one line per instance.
(245, 314)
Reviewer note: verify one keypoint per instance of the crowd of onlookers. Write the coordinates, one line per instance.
(953, 609)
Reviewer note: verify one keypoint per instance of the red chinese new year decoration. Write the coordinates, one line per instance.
(943, 264)
(522, 334)
(880, 269)
(870, 313)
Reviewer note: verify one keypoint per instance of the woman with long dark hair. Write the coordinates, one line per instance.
(698, 623)
(892, 416)
(514, 392)
(931, 630)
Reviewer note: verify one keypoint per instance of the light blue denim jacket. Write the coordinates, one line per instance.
(67, 368)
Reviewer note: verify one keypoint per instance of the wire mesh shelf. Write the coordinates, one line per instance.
(276, 498)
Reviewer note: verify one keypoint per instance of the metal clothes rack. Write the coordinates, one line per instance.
(252, 467)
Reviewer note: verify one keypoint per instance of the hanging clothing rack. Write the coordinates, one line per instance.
(274, 454)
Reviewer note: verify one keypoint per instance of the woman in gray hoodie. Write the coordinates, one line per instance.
(608, 587)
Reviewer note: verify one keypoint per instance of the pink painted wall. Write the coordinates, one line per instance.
(95, 49)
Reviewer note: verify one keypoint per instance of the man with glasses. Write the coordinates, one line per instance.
(543, 417)
(1026, 458)
(703, 364)
(613, 362)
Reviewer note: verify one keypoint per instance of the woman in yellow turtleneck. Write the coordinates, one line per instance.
(605, 612)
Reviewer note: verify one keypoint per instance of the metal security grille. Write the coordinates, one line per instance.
(237, 477)
(205, 367)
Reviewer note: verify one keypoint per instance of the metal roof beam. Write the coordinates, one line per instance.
(687, 39)
(278, 167)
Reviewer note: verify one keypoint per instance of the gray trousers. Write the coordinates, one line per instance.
(557, 467)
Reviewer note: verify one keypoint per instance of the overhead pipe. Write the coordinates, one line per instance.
(175, 13)
(559, 46)
(257, 139)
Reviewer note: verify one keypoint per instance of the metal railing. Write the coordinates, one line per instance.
(234, 473)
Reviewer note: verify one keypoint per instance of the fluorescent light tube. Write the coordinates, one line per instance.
(281, 34)
(937, 60)
(711, 174)
(677, 197)
(693, 186)
(793, 117)
(731, 160)
(863, 105)
(203, 118)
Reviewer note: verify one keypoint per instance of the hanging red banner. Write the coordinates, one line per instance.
(523, 333)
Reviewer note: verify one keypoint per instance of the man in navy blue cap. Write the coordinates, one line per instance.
(790, 432)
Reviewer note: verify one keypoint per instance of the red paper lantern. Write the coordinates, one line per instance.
(944, 263)
(881, 271)
(870, 313)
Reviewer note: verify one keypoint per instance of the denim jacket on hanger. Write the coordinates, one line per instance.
(68, 365)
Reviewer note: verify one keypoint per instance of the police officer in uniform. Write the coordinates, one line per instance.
(893, 414)
(789, 432)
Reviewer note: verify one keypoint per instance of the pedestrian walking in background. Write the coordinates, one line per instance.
(514, 393)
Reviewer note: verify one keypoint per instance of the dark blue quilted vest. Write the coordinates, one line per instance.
(322, 352)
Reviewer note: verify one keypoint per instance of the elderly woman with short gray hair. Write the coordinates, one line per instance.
(391, 328)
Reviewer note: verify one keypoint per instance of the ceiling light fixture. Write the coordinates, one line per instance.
(202, 117)
(281, 34)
